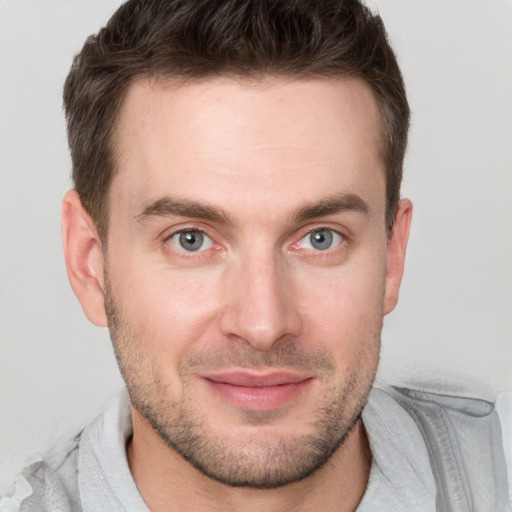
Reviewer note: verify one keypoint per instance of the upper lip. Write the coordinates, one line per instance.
(256, 379)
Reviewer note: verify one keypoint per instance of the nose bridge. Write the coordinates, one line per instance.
(260, 307)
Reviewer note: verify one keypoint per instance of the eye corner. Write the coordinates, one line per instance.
(319, 241)
(322, 239)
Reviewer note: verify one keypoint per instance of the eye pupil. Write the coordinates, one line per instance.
(321, 239)
(191, 240)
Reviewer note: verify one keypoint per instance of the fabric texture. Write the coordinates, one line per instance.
(430, 452)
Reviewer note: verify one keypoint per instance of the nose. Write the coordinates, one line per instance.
(260, 303)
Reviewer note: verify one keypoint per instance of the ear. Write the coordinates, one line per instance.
(397, 246)
(84, 258)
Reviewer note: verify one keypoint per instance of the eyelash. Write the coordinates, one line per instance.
(295, 245)
(183, 252)
(330, 251)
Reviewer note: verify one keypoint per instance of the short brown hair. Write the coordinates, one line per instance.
(207, 38)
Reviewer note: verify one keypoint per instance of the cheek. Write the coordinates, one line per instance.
(343, 307)
(167, 309)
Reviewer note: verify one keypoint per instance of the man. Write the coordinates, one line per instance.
(237, 223)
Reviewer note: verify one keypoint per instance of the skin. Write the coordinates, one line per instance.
(257, 166)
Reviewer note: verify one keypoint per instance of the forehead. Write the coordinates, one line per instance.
(227, 138)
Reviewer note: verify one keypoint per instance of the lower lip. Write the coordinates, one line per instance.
(265, 398)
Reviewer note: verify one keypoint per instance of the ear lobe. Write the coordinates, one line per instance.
(84, 258)
(397, 246)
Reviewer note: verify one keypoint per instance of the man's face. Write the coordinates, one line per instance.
(246, 269)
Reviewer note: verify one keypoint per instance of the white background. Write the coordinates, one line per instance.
(454, 320)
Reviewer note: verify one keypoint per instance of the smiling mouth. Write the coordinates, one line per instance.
(257, 391)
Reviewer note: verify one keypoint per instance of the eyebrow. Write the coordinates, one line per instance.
(344, 202)
(168, 206)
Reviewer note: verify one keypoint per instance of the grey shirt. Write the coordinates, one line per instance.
(91, 472)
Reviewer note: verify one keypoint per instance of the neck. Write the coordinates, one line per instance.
(168, 483)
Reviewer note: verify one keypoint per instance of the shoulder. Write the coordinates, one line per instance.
(47, 484)
(464, 439)
(453, 421)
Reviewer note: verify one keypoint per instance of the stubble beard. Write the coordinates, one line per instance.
(254, 462)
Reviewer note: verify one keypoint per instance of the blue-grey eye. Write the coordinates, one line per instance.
(321, 239)
(191, 240)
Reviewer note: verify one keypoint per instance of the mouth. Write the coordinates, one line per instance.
(257, 391)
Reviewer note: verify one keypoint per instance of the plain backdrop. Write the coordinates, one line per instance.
(454, 320)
